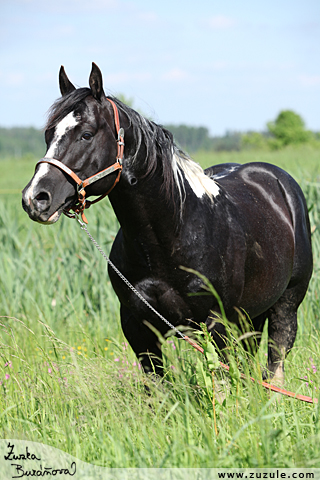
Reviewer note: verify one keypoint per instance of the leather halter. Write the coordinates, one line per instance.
(82, 203)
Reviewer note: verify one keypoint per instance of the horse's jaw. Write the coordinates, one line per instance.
(42, 218)
(52, 219)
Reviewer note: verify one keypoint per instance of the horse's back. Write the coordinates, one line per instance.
(264, 177)
(221, 170)
(281, 202)
(270, 181)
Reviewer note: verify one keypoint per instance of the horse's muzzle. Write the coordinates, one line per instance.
(38, 206)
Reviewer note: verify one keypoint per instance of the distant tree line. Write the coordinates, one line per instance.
(287, 129)
(18, 142)
(193, 139)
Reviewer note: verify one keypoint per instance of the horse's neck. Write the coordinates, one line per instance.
(144, 211)
(153, 204)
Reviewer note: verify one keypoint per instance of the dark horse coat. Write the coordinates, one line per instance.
(245, 227)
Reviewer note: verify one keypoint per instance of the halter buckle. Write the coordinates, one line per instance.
(120, 136)
(80, 188)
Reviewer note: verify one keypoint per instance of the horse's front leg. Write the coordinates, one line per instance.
(143, 341)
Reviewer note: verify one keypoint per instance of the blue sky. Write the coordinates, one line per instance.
(226, 65)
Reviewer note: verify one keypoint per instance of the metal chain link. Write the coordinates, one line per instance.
(125, 280)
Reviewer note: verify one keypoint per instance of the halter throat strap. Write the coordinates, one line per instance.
(82, 202)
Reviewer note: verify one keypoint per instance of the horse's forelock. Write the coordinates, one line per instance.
(64, 105)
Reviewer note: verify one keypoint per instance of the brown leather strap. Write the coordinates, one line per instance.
(92, 202)
(120, 140)
(63, 167)
(94, 178)
(269, 386)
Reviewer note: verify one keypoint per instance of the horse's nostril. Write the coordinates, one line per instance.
(42, 197)
(42, 201)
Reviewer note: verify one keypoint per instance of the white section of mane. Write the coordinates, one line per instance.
(199, 182)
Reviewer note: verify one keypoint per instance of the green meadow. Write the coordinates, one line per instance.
(68, 378)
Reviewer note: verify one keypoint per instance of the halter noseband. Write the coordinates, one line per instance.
(82, 203)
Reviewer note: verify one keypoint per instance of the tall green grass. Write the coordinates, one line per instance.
(68, 378)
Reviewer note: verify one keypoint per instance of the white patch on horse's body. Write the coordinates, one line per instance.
(266, 195)
(68, 122)
(199, 182)
(225, 172)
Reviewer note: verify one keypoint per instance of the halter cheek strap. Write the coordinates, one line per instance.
(82, 203)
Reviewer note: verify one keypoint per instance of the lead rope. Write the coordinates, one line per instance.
(304, 398)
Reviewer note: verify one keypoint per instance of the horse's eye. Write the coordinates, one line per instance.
(87, 136)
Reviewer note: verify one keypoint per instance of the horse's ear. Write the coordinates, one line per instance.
(65, 85)
(95, 82)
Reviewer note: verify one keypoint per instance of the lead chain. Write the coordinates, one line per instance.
(125, 280)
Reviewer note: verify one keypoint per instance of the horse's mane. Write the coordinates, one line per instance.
(157, 141)
(176, 165)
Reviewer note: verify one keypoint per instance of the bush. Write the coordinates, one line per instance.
(288, 129)
(254, 141)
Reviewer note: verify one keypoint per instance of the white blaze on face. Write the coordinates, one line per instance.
(41, 172)
(68, 122)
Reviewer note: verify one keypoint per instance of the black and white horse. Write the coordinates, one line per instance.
(245, 227)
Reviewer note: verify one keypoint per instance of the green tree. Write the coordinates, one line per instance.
(254, 141)
(288, 128)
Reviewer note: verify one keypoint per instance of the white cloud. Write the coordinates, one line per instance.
(310, 80)
(220, 65)
(148, 17)
(65, 30)
(12, 78)
(175, 74)
(220, 22)
(63, 6)
(123, 77)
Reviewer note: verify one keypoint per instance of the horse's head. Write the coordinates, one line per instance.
(81, 136)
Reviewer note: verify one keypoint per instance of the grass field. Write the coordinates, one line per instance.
(68, 378)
